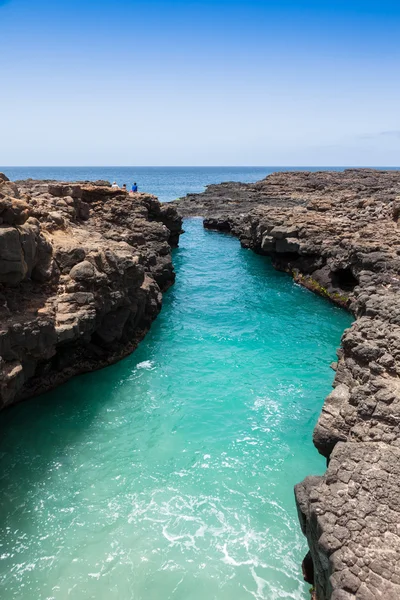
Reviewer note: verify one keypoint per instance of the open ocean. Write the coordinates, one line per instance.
(168, 183)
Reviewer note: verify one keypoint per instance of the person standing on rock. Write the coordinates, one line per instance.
(134, 188)
(124, 188)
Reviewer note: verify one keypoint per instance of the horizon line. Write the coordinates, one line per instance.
(199, 166)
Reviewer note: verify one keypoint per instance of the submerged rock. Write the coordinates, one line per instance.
(82, 270)
(337, 234)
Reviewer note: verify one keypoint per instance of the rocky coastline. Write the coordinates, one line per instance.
(337, 234)
(82, 271)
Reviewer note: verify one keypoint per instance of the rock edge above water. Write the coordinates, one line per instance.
(337, 234)
(82, 271)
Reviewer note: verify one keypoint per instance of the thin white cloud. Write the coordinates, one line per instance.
(393, 134)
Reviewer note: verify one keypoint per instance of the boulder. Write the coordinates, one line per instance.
(83, 271)
(12, 264)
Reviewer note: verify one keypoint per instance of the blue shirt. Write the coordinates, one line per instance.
(134, 188)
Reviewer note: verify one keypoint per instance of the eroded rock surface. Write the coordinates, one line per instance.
(351, 518)
(338, 235)
(232, 198)
(82, 270)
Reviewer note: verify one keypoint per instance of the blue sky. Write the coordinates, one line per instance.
(256, 82)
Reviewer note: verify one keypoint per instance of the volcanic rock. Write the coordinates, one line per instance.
(337, 234)
(82, 270)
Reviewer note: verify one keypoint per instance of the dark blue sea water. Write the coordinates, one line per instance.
(169, 476)
(168, 183)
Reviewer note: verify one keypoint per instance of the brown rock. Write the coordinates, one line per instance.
(80, 279)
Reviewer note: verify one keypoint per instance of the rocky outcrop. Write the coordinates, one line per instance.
(351, 518)
(82, 270)
(340, 238)
(233, 199)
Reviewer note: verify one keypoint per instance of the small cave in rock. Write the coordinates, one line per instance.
(286, 257)
(217, 224)
(308, 569)
(344, 279)
(283, 261)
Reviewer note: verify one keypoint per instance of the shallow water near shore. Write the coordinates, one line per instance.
(170, 474)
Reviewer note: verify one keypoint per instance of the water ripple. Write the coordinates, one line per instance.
(170, 475)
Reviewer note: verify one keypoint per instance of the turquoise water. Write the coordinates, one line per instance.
(169, 476)
(168, 183)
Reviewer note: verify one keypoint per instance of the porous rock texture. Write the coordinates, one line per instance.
(339, 236)
(82, 270)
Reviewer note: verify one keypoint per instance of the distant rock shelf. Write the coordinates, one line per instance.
(337, 234)
(82, 271)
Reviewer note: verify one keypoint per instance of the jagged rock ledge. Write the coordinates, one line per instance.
(82, 271)
(337, 234)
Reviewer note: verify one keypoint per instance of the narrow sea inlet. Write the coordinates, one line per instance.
(169, 476)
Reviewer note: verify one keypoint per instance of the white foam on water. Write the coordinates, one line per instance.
(176, 481)
(146, 364)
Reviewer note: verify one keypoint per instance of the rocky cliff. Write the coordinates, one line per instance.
(82, 270)
(338, 235)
